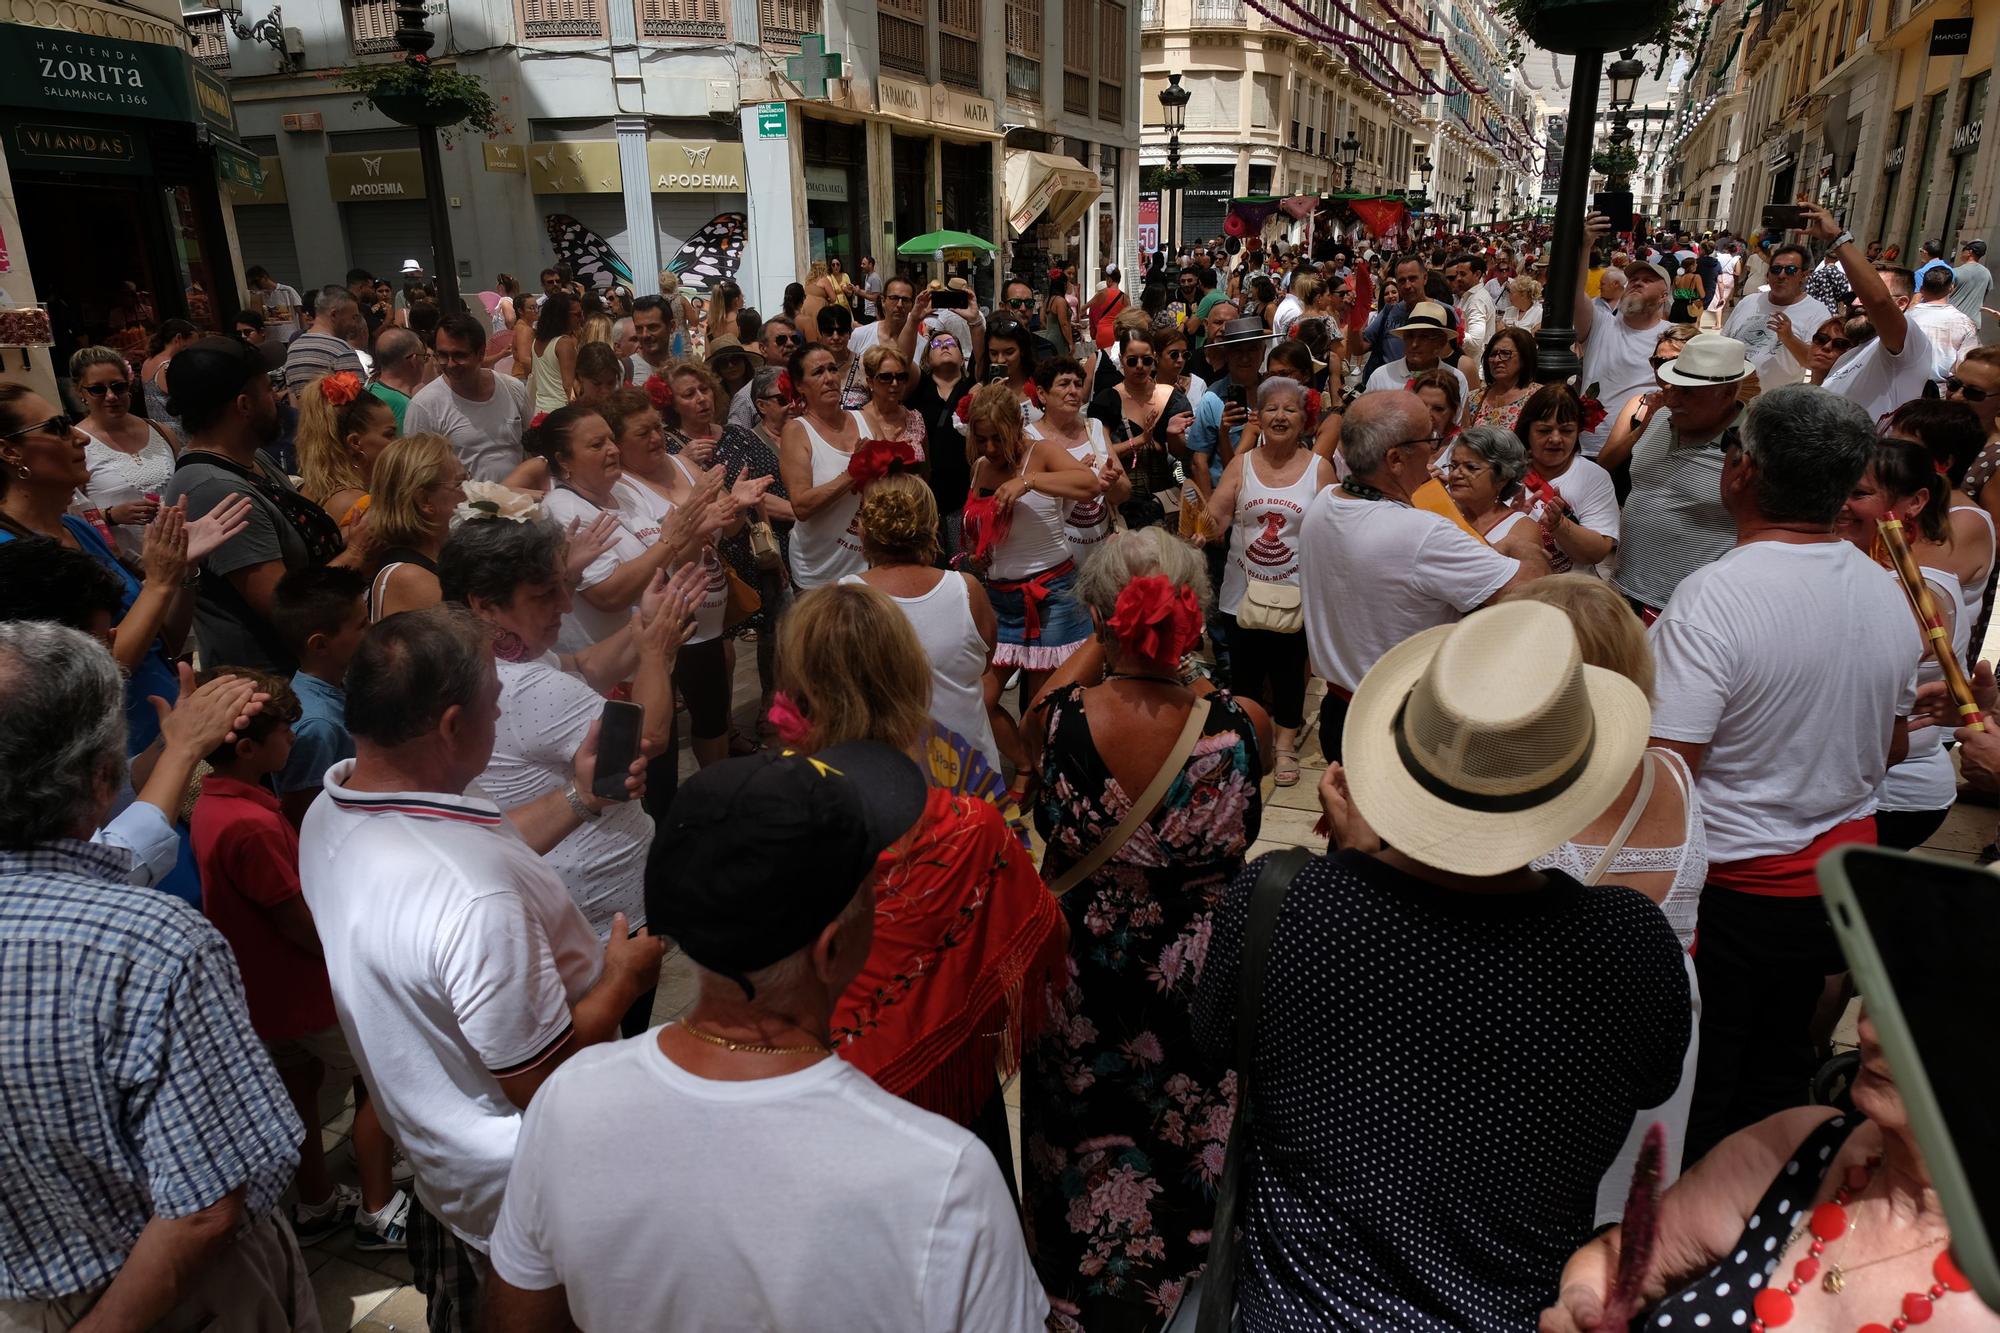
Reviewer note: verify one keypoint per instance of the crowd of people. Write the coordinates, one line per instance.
(345, 666)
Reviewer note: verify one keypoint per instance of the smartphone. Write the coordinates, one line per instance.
(1921, 934)
(1783, 217)
(950, 298)
(617, 747)
(1616, 205)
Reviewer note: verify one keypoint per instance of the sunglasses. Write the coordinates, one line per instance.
(951, 343)
(58, 425)
(1953, 384)
(1828, 340)
(1022, 302)
(109, 386)
(1657, 361)
(787, 339)
(1785, 270)
(1134, 362)
(893, 377)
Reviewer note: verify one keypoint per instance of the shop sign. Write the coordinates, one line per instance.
(689, 166)
(211, 99)
(954, 108)
(393, 173)
(584, 167)
(1966, 140)
(52, 69)
(827, 185)
(75, 148)
(505, 157)
(1894, 162)
(272, 189)
(772, 121)
(1951, 37)
(900, 97)
(239, 166)
(1149, 223)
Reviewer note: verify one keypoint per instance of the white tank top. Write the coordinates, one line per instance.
(648, 512)
(1265, 543)
(1975, 596)
(1086, 523)
(960, 754)
(827, 546)
(1925, 780)
(1035, 539)
(545, 378)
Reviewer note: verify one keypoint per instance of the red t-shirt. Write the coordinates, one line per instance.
(248, 856)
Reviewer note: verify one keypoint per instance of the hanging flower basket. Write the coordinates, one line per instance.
(416, 92)
(1569, 26)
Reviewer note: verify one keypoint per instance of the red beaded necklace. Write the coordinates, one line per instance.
(1774, 1308)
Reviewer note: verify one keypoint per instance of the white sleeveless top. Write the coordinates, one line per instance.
(1975, 596)
(1035, 540)
(545, 379)
(1925, 780)
(827, 546)
(961, 754)
(648, 510)
(1086, 523)
(1265, 543)
(118, 477)
(1689, 861)
(1505, 526)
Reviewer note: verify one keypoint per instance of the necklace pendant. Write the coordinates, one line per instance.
(1834, 1280)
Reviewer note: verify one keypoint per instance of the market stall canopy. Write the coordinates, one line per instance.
(1049, 183)
(945, 245)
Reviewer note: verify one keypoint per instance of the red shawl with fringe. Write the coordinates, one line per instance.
(967, 942)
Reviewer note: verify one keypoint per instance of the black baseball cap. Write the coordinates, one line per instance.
(758, 854)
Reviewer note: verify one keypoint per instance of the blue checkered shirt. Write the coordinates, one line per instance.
(131, 1084)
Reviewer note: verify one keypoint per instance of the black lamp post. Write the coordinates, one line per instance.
(1465, 200)
(1623, 76)
(1496, 198)
(1350, 149)
(1173, 114)
(1555, 350)
(416, 39)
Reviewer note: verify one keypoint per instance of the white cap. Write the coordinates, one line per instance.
(412, 266)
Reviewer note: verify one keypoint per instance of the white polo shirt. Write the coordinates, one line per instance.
(455, 954)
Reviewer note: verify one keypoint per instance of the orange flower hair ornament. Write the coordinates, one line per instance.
(1155, 620)
(341, 388)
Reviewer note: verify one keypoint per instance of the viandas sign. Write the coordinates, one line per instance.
(52, 69)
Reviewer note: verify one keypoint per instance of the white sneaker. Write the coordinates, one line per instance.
(400, 1170)
(314, 1222)
(383, 1229)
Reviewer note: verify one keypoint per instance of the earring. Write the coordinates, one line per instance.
(21, 471)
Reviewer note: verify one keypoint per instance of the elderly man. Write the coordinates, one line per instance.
(1757, 317)
(481, 413)
(1785, 671)
(327, 346)
(1426, 336)
(1934, 313)
(1617, 352)
(1610, 291)
(1416, 569)
(463, 972)
(807, 1197)
(1890, 363)
(1380, 334)
(400, 362)
(1674, 519)
(145, 1138)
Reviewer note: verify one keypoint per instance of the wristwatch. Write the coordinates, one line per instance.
(1845, 238)
(576, 804)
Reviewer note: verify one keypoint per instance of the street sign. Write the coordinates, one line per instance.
(1951, 37)
(771, 120)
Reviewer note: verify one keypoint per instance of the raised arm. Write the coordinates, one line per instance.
(1891, 326)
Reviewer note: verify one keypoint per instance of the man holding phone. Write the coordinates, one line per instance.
(1617, 351)
(1758, 315)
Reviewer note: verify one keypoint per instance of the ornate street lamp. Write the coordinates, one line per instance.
(1350, 149)
(416, 40)
(1173, 114)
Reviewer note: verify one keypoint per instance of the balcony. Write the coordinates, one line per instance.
(1152, 13)
(701, 20)
(958, 60)
(1218, 14)
(209, 37)
(371, 26)
(560, 18)
(784, 22)
(1076, 93)
(902, 45)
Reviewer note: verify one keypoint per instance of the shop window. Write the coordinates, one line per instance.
(1110, 60)
(561, 18)
(371, 26)
(784, 22)
(209, 39)
(1076, 56)
(958, 42)
(1024, 50)
(683, 18)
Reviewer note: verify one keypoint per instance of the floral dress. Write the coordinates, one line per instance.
(743, 453)
(1122, 1126)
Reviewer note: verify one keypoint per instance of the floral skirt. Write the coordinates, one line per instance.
(1040, 620)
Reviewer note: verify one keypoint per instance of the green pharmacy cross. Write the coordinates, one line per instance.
(814, 66)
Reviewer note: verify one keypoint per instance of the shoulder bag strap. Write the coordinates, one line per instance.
(1143, 808)
(1627, 824)
(1267, 896)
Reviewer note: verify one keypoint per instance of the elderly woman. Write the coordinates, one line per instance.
(1262, 501)
(1902, 482)
(885, 416)
(418, 485)
(1023, 487)
(1508, 368)
(1731, 1251)
(1088, 522)
(1572, 497)
(1116, 1104)
(343, 429)
(1483, 473)
(759, 551)
(813, 457)
(130, 459)
(967, 942)
(512, 576)
(1523, 307)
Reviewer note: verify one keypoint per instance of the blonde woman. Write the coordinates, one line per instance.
(342, 430)
(884, 416)
(130, 459)
(1522, 308)
(416, 486)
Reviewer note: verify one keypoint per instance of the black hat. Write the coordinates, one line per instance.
(210, 373)
(758, 854)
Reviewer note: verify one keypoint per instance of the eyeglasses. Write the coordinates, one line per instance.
(1456, 468)
(1431, 439)
(58, 425)
(1971, 394)
(896, 298)
(770, 398)
(109, 386)
(1828, 340)
(1175, 354)
(1785, 270)
(892, 377)
(1134, 362)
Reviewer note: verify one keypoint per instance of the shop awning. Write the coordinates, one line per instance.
(1039, 183)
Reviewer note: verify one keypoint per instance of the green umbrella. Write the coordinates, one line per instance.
(933, 244)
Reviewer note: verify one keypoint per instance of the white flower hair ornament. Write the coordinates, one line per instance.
(489, 499)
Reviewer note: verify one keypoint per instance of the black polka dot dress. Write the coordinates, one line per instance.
(1441, 1079)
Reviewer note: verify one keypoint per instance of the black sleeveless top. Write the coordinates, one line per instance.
(1713, 1300)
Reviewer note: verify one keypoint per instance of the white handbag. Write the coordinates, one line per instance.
(1275, 607)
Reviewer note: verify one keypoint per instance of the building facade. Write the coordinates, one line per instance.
(750, 138)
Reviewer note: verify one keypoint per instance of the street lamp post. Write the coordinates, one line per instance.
(1173, 114)
(1555, 351)
(416, 40)
(1465, 200)
(1424, 169)
(1350, 149)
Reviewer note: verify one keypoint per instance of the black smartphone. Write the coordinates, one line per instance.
(949, 298)
(1783, 217)
(1616, 205)
(1921, 934)
(617, 747)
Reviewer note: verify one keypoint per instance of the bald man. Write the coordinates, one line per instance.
(400, 362)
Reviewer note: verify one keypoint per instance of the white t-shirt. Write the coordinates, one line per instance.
(1594, 496)
(1951, 334)
(1286, 315)
(544, 715)
(649, 511)
(1879, 380)
(454, 952)
(1396, 374)
(815, 1200)
(486, 436)
(1617, 358)
(585, 624)
(1373, 573)
(1791, 662)
(1748, 325)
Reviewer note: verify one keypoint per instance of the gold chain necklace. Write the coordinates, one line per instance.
(817, 1048)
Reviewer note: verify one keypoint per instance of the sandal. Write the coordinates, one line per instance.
(1285, 773)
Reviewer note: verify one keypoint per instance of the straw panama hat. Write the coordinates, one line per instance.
(1717, 360)
(1461, 773)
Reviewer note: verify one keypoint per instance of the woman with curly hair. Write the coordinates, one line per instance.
(343, 429)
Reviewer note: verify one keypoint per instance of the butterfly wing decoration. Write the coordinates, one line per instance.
(595, 263)
(712, 253)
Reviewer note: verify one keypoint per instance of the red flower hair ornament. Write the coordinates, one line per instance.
(341, 388)
(1155, 620)
(874, 459)
(659, 393)
(535, 422)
